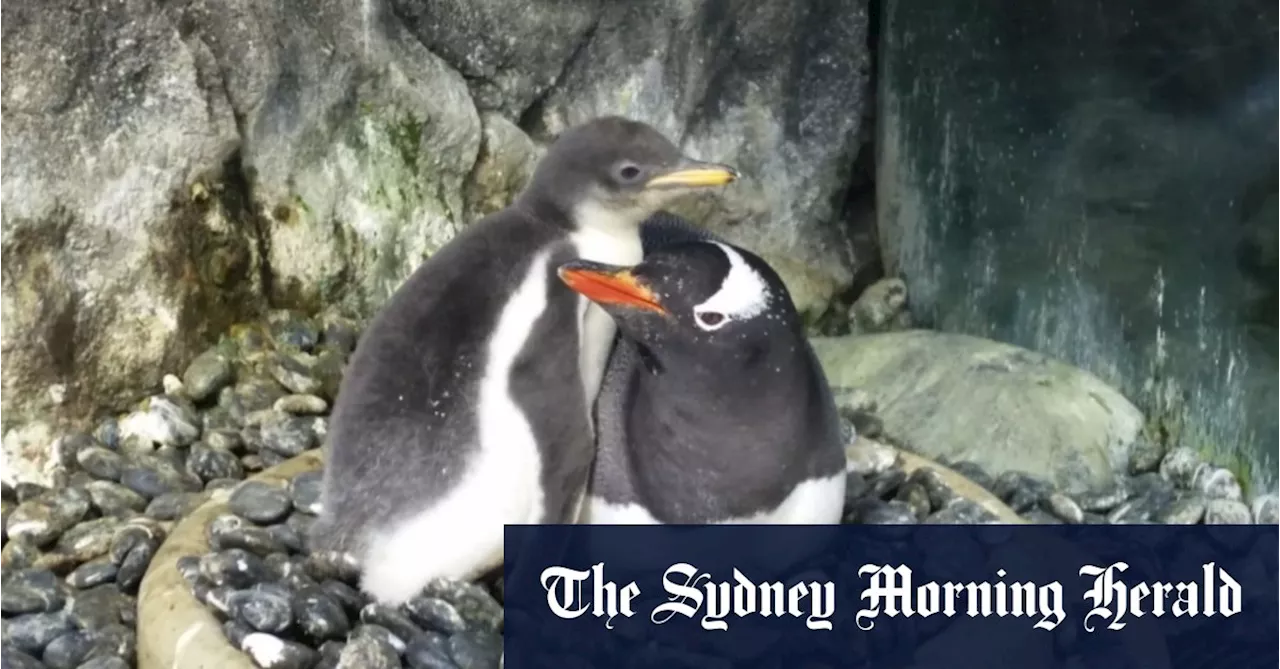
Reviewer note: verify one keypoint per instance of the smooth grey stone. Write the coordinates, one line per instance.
(271, 652)
(1227, 512)
(68, 650)
(151, 476)
(961, 512)
(319, 615)
(101, 463)
(189, 567)
(855, 488)
(304, 490)
(252, 463)
(207, 374)
(287, 537)
(116, 640)
(1104, 498)
(19, 554)
(89, 539)
(340, 333)
(27, 490)
(887, 513)
(301, 523)
(12, 658)
(113, 499)
(271, 458)
(225, 439)
(472, 600)
(67, 448)
(429, 651)
(134, 567)
(235, 631)
(294, 374)
(392, 619)
(261, 610)
(292, 330)
(136, 531)
(32, 632)
(105, 662)
(350, 598)
(165, 419)
(1041, 517)
(915, 496)
(98, 607)
(1064, 507)
(222, 484)
(940, 494)
(172, 505)
(289, 437)
(368, 651)
(1020, 490)
(324, 565)
(30, 591)
(235, 568)
(476, 649)
(42, 520)
(214, 597)
(301, 405)
(1186, 510)
(1180, 466)
(1217, 483)
(886, 483)
(260, 502)
(1266, 509)
(433, 613)
(255, 394)
(256, 540)
(93, 574)
(870, 458)
(210, 463)
(107, 433)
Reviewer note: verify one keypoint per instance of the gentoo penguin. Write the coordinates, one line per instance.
(714, 408)
(467, 403)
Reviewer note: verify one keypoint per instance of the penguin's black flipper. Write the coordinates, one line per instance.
(665, 228)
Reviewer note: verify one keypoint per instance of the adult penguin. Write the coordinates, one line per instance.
(714, 408)
(466, 405)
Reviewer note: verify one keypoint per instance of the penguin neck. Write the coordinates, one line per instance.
(601, 234)
(703, 397)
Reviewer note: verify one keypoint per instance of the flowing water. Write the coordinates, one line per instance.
(1096, 180)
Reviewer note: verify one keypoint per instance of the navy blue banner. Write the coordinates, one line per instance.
(926, 596)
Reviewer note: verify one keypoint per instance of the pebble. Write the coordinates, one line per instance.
(319, 615)
(27, 490)
(1145, 455)
(869, 457)
(1180, 465)
(68, 650)
(340, 333)
(476, 649)
(172, 505)
(294, 372)
(257, 540)
(1226, 512)
(304, 491)
(155, 477)
(223, 440)
(272, 652)
(1217, 483)
(1065, 508)
(1020, 490)
(13, 658)
(875, 512)
(113, 499)
(472, 601)
(368, 651)
(390, 618)
(974, 472)
(288, 437)
(429, 651)
(433, 613)
(163, 419)
(207, 374)
(1104, 497)
(292, 330)
(93, 574)
(325, 565)
(1266, 509)
(66, 449)
(209, 463)
(30, 591)
(32, 632)
(134, 566)
(105, 662)
(135, 532)
(914, 495)
(260, 502)
(261, 609)
(43, 519)
(235, 568)
(1186, 510)
(961, 512)
(89, 539)
(301, 405)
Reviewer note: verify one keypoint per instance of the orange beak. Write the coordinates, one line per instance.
(609, 285)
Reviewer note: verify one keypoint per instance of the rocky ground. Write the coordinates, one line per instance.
(75, 553)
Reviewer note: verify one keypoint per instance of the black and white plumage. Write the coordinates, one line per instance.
(466, 405)
(714, 408)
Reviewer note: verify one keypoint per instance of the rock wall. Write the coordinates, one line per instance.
(172, 168)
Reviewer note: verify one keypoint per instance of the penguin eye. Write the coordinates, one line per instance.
(629, 172)
(709, 319)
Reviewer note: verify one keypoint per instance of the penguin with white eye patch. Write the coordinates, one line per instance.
(714, 408)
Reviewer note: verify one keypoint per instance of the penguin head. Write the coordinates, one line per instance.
(703, 296)
(614, 171)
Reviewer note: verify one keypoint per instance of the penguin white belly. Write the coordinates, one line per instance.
(601, 237)
(461, 534)
(812, 502)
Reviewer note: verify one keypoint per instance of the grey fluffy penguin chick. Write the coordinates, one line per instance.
(714, 408)
(467, 402)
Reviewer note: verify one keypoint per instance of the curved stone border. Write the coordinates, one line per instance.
(963, 485)
(174, 630)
